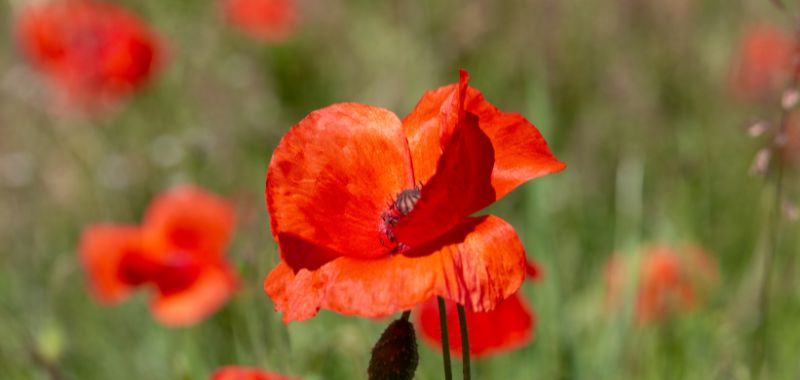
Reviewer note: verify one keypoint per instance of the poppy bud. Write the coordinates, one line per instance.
(395, 356)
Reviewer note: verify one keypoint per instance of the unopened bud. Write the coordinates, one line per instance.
(760, 162)
(758, 128)
(790, 209)
(789, 99)
(395, 356)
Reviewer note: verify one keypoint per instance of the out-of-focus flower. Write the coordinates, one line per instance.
(763, 63)
(266, 20)
(372, 215)
(667, 281)
(509, 326)
(246, 373)
(177, 252)
(93, 53)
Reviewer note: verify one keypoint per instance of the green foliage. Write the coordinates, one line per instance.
(632, 95)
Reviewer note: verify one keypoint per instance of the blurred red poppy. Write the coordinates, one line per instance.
(93, 53)
(509, 326)
(668, 281)
(764, 61)
(372, 214)
(245, 373)
(178, 252)
(265, 20)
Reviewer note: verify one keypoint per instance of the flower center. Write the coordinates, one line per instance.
(400, 207)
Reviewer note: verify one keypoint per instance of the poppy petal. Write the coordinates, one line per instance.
(509, 326)
(520, 151)
(460, 186)
(102, 250)
(189, 219)
(246, 373)
(533, 270)
(330, 180)
(479, 263)
(213, 286)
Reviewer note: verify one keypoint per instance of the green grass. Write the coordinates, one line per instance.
(632, 95)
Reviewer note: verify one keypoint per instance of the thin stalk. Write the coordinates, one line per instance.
(462, 321)
(406, 315)
(448, 371)
(776, 221)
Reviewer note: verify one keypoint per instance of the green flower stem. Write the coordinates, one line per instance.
(462, 321)
(448, 371)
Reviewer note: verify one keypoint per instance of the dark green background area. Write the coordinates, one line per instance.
(632, 95)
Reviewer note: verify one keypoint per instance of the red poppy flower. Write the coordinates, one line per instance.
(372, 214)
(668, 281)
(266, 20)
(245, 373)
(92, 52)
(178, 252)
(764, 61)
(509, 326)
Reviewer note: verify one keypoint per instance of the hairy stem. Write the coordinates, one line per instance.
(462, 321)
(448, 371)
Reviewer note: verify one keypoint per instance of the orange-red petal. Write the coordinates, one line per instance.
(246, 373)
(479, 263)
(102, 249)
(509, 326)
(520, 151)
(212, 287)
(460, 186)
(266, 20)
(189, 219)
(331, 178)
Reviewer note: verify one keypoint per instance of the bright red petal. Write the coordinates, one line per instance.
(520, 151)
(533, 270)
(460, 186)
(266, 20)
(102, 250)
(189, 219)
(509, 326)
(479, 263)
(246, 373)
(330, 180)
(210, 290)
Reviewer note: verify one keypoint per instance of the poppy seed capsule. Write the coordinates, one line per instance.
(406, 200)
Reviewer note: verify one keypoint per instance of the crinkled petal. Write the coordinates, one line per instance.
(479, 263)
(246, 373)
(189, 219)
(509, 326)
(461, 186)
(210, 291)
(517, 153)
(102, 250)
(331, 179)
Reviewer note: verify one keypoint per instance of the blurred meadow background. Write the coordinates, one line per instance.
(634, 96)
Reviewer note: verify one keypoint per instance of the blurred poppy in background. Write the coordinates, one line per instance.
(177, 252)
(763, 63)
(92, 53)
(372, 214)
(266, 20)
(668, 281)
(246, 373)
(509, 326)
